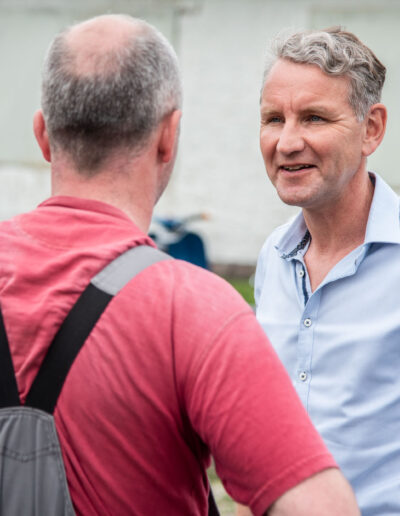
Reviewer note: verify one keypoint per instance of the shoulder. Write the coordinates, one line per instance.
(199, 286)
(185, 288)
(274, 238)
(268, 255)
(268, 250)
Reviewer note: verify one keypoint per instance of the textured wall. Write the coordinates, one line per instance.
(221, 46)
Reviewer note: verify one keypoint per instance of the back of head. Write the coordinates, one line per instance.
(107, 83)
(336, 52)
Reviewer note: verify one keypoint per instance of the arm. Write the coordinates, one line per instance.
(241, 402)
(326, 493)
(242, 510)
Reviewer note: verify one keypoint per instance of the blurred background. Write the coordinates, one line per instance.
(221, 46)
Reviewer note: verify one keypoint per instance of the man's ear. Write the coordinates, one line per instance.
(168, 136)
(375, 128)
(39, 128)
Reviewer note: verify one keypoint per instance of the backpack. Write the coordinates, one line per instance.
(32, 474)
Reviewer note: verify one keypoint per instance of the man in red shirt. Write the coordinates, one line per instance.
(177, 367)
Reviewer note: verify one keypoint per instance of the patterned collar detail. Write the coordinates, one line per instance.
(301, 245)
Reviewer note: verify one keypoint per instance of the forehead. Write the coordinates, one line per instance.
(302, 83)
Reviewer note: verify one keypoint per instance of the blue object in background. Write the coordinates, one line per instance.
(173, 237)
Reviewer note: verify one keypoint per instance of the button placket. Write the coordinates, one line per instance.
(303, 376)
(307, 325)
(301, 280)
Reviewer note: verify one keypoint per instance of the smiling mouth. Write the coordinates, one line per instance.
(296, 168)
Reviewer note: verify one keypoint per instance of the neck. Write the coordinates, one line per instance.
(336, 231)
(341, 226)
(132, 190)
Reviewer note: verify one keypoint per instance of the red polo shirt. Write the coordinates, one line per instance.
(176, 367)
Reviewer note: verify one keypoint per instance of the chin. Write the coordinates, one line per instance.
(293, 199)
(301, 197)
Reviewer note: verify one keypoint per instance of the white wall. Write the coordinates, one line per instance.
(26, 29)
(220, 169)
(221, 46)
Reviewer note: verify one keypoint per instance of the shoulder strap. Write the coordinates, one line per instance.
(8, 385)
(80, 321)
(75, 329)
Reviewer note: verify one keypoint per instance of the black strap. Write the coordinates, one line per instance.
(212, 506)
(66, 345)
(73, 332)
(80, 321)
(8, 385)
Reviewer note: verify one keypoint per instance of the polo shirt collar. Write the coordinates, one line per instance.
(382, 226)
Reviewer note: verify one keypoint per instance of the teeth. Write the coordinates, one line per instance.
(297, 167)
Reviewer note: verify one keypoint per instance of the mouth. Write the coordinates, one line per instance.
(296, 168)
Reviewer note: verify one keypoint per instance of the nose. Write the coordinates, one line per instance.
(290, 139)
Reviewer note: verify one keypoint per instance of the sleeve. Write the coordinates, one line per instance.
(259, 276)
(241, 403)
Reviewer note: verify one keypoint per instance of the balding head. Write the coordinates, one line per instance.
(94, 44)
(107, 84)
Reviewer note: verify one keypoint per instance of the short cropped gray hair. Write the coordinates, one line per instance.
(336, 52)
(89, 116)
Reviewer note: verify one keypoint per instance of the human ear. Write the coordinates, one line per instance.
(375, 125)
(168, 136)
(40, 131)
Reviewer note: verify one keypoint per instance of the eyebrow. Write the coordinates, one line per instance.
(316, 108)
(268, 112)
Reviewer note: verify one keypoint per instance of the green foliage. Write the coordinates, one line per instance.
(225, 504)
(244, 288)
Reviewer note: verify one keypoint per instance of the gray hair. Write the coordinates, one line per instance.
(335, 52)
(134, 86)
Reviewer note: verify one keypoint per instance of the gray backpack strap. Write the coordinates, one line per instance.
(121, 270)
(80, 321)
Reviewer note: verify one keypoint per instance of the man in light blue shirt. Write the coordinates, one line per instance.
(328, 283)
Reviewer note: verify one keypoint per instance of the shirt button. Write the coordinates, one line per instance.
(307, 323)
(301, 273)
(303, 376)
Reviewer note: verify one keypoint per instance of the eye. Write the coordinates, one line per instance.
(273, 119)
(315, 118)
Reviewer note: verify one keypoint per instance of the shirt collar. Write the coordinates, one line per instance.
(295, 238)
(85, 205)
(383, 220)
(382, 226)
(90, 223)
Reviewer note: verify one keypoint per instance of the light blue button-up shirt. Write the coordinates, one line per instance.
(341, 345)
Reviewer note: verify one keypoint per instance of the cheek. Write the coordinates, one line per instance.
(346, 154)
(325, 151)
(266, 146)
(336, 147)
